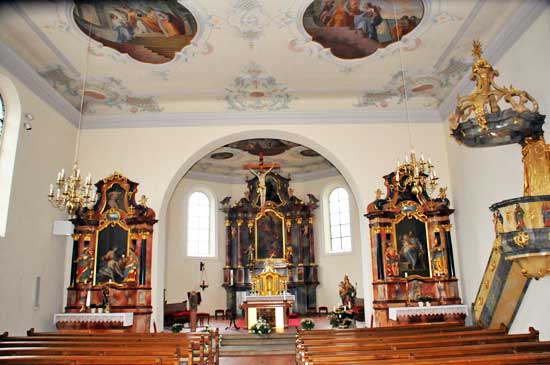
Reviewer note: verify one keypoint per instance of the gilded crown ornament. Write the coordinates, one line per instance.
(487, 94)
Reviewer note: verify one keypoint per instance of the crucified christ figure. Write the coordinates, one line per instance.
(261, 174)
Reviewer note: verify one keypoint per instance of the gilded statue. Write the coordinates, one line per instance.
(347, 292)
(83, 266)
(250, 254)
(392, 260)
(289, 254)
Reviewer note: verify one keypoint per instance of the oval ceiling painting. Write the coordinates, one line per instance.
(357, 28)
(148, 31)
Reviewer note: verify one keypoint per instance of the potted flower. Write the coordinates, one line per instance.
(307, 324)
(340, 318)
(261, 327)
(177, 327)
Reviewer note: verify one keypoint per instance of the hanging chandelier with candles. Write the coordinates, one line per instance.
(70, 193)
(417, 174)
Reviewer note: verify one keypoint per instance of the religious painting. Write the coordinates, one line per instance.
(150, 32)
(115, 198)
(112, 250)
(354, 29)
(412, 246)
(270, 235)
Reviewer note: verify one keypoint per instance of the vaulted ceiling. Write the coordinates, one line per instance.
(169, 62)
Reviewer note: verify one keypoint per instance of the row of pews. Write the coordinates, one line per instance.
(200, 348)
(420, 345)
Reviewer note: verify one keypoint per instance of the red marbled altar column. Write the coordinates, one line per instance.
(240, 270)
(227, 243)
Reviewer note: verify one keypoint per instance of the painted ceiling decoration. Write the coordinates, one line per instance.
(226, 163)
(267, 146)
(352, 29)
(248, 19)
(206, 69)
(150, 32)
(101, 94)
(255, 89)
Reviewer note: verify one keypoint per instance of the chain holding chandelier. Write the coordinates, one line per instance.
(417, 174)
(70, 193)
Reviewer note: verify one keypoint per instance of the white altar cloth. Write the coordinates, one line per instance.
(269, 298)
(127, 318)
(395, 312)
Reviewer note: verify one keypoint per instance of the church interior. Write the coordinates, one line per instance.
(314, 181)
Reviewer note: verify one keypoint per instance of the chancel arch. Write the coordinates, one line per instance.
(168, 232)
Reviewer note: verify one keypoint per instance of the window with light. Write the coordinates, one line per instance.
(199, 226)
(339, 218)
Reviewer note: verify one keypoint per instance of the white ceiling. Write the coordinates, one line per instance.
(255, 60)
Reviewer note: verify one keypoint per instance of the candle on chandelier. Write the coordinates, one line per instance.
(62, 173)
(51, 190)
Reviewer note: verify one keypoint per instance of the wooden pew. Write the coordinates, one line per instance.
(189, 349)
(451, 345)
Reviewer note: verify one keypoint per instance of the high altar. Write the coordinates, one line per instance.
(411, 246)
(269, 298)
(282, 230)
(111, 263)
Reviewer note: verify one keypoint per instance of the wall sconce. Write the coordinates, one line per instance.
(204, 279)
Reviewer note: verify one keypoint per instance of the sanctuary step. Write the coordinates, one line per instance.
(247, 344)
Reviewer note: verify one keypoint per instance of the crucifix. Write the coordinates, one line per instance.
(259, 170)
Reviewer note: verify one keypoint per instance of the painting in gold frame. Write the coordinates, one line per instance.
(411, 242)
(111, 250)
(270, 237)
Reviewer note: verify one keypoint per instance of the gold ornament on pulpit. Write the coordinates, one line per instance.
(487, 94)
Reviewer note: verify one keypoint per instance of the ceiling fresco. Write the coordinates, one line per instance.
(151, 32)
(180, 57)
(352, 29)
(226, 163)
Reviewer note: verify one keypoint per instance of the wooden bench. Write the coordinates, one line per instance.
(158, 347)
(420, 345)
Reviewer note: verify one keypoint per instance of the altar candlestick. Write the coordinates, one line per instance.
(89, 298)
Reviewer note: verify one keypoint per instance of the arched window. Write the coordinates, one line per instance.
(199, 226)
(339, 218)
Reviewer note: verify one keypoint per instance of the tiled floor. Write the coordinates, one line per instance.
(258, 360)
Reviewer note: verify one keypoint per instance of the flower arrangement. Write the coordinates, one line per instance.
(307, 324)
(177, 327)
(426, 298)
(261, 327)
(341, 318)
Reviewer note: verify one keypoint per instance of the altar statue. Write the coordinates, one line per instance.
(250, 254)
(262, 190)
(347, 292)
(83, 267)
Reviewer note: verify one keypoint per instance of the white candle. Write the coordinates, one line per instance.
(62, 173)
(51, 189)
(89, 298)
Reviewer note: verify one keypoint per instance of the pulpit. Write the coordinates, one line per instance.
(269, 299)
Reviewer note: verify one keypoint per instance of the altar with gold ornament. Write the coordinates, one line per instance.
(268, 298)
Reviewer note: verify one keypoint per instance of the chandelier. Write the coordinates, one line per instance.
(71, 194)
(416, 174)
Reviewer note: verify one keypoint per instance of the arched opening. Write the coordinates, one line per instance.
(162, 254)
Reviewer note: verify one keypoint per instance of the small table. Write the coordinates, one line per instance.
(96, 322)
(436, 313)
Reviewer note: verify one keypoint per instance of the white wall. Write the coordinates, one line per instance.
(182, 272)
(485, 176)
(29, 250)
(159, 157)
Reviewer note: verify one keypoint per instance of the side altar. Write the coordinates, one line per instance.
(270, 222)
(411, 245)
(110, 281)
(268, 298)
